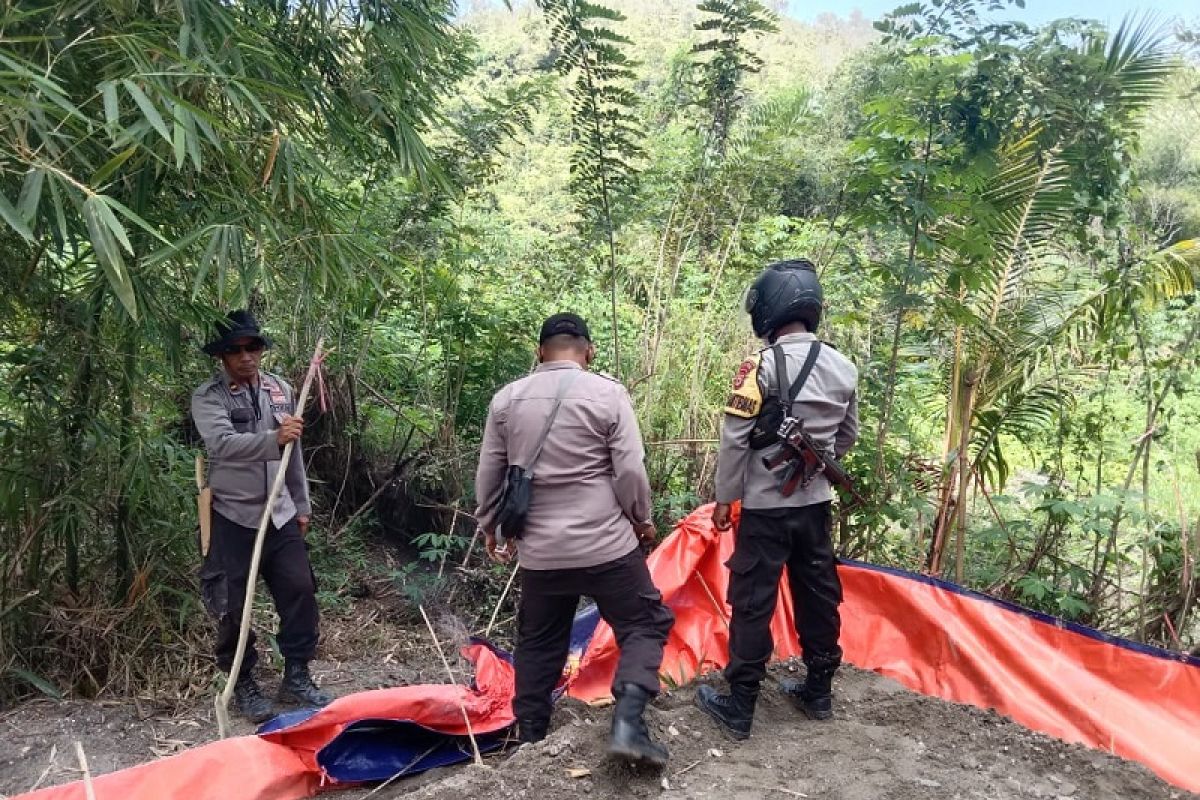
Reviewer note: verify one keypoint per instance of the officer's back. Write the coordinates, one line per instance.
(586, 485)
(589, 506)
(827, 402)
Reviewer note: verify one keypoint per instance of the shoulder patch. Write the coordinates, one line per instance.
(745, 398)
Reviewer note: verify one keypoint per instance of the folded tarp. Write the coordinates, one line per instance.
(1065, 680)
(361, 737)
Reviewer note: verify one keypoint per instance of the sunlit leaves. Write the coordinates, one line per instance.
(235, 103)
(606, 132)
(730, 59)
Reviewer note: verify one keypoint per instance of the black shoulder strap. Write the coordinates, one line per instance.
(814, 350)
(564, 381)
(781, 378)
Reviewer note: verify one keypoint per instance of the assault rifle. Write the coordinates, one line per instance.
(806, 460)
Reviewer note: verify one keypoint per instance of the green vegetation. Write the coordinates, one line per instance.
(1004, 217)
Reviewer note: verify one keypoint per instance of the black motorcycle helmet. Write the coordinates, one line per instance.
(786, 291)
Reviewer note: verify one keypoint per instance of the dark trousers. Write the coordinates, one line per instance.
(767, 540)
(626, 599)
(289, 577)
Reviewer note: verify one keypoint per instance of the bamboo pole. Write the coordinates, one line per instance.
(88, 787)
(461, 705)
(222, 702)
(712, 598)
(492, 622)
(964, 476)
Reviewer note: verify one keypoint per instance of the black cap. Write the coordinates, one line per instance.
(237, 325)
(559, 324)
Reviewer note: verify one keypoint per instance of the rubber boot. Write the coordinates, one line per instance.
(250, 702)
(630, 738)
(531, 731)
(814, 697)
(734, 712)
(298, 686)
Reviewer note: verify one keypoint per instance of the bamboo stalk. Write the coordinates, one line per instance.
(461, 705)
(1185, 547)
(87, 774)
(511, 576)
(222, 702)
(713, 598)
(964, 479)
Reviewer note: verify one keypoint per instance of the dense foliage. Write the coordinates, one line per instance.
(1003, 217)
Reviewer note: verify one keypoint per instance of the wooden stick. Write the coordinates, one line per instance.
(222, 702)
(470, 548)
(446, 552)
(500, 602)
(87, 775)
(402, 771)
(461, 705)
(720, 609)
(46, 772)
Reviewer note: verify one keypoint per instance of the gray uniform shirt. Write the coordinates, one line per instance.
(828, 405)
(590, 483)
(244, 455)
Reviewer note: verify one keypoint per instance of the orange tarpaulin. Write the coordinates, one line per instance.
(936, 638)
(282, 765)
(1064, 680)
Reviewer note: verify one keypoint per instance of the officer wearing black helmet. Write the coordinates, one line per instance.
(785, 305)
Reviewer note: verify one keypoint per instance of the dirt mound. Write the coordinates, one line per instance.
(885, 742)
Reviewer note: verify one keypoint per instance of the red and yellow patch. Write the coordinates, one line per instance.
(745, 369)
(746, 398)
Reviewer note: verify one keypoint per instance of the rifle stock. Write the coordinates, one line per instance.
(807, 461)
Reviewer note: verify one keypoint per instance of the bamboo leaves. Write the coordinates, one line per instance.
(12, 216)
(108, 238)
(148, 109)
(154, 120)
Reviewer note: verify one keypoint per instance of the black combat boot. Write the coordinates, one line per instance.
(734, 711)
(531, 731)
(630, 738)
(250, 701)
(814, 697)
(298, 686)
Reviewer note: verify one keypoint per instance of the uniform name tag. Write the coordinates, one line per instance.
(279, 402)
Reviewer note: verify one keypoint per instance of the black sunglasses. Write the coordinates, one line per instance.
(253, 347)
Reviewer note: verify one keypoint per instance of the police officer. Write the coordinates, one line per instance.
(590, 506)
(785, 304)
(245, 416)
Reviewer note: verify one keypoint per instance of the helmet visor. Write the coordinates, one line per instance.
(751, 299)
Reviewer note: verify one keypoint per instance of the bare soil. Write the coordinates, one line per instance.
(885, 742)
